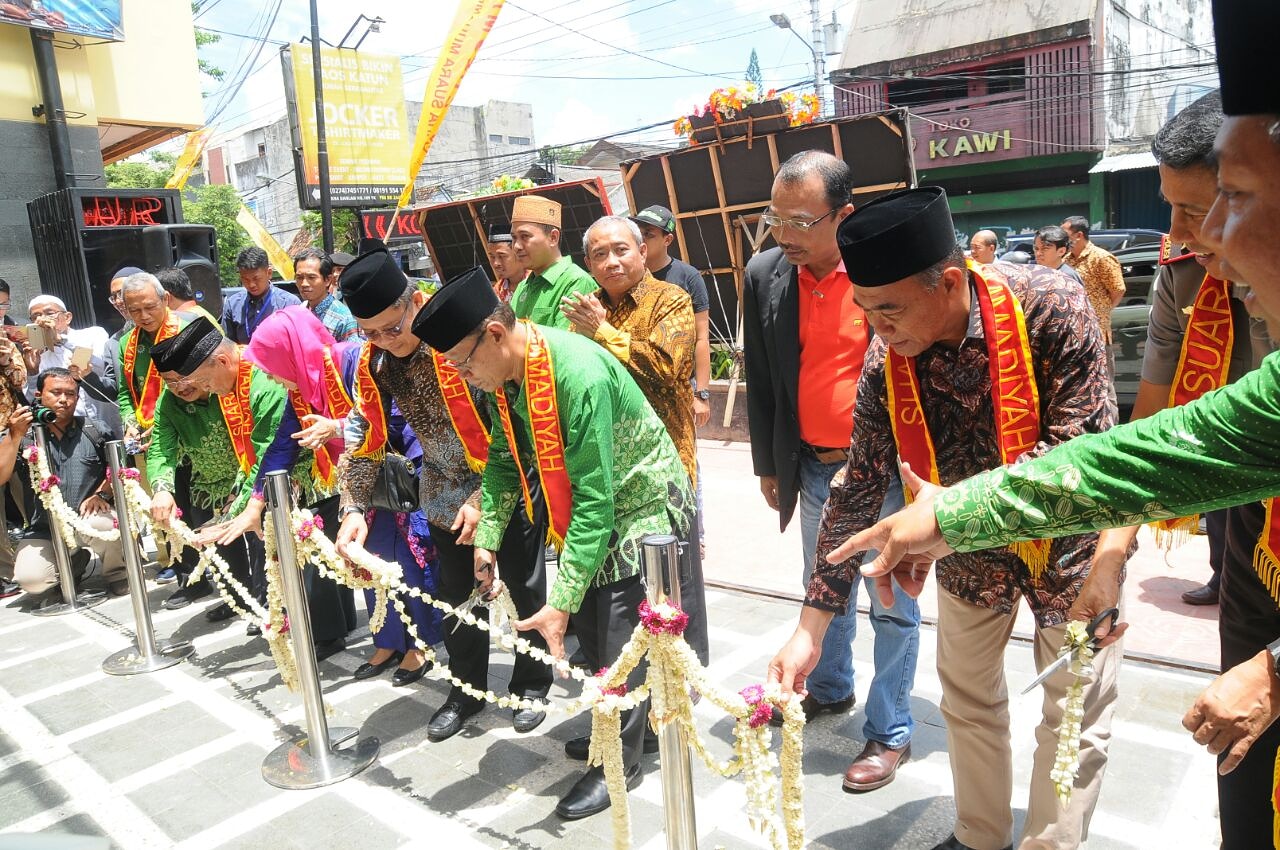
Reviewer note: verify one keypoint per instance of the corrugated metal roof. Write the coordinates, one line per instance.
(883, 30)
(1124, 162)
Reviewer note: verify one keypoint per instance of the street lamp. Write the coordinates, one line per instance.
(375, 25)
(782, 22)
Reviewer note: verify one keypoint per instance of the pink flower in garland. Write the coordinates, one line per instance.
(619, 691)
(284, 629)
(761, 711)
(177, 512)
(663, 618)
(362, 574)
(307, 526)
(130, 474)
(47, 484)
(33, 455)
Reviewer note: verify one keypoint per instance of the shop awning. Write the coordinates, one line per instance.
(1124, 162)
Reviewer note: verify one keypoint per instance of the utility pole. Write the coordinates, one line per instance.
(322, 145)
(819, 64)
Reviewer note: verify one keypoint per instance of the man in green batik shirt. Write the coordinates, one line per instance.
(190, 425)
(625, 478)
(535, 229)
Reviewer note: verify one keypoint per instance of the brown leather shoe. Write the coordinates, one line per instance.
(874, 767)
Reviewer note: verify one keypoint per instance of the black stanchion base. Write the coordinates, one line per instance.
(130, 661)
(293, 767)
(82, 602)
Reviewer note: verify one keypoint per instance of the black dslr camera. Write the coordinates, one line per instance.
(43, 415)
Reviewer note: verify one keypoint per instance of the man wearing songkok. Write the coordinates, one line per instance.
(452, 426)
(223, 437)
(806, 341)
(648, 325)
(502, 256)
(931, 395)
(610, 475)
(1221, 449)
(535, 228)
(1199, 337)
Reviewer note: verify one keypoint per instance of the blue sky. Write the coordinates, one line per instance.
(588, 67)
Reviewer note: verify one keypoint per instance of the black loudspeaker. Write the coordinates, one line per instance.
(192, 248)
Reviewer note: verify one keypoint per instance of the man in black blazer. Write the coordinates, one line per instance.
(805, 340)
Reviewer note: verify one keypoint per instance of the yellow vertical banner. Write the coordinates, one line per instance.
(279, 256)
(190, 158)
(471, 25)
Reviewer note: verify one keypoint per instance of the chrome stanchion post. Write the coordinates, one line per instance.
(313, 760)
(147, 654)
(71, 599)
(662, 583)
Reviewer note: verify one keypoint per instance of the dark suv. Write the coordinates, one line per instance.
(1112, 240)
(1130, 318)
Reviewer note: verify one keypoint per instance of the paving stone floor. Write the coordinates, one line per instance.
(173, 759)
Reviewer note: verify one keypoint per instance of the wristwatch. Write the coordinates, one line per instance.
(1274, 649)
(350, 509)
(704, 395)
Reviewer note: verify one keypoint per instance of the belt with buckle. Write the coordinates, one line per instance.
(823, 454)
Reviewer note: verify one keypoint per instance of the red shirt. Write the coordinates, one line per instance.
(833, 342)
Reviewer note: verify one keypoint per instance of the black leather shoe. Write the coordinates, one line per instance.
(218, 613)
(590, 794)
(178, 599)
(448, 720)
(328, 648)
(527, 719)
(812, 708)
(403, 677)
(953, 843)
(253, 630)
(576, 748)
(1203, 595)
(368, 669)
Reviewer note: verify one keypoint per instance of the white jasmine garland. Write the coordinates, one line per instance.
(1066, 763)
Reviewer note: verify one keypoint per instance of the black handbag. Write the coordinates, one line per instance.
(396, 487)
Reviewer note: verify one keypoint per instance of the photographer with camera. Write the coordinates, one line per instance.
(76, 456)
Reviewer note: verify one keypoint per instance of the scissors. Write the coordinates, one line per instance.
(1112, 614)
(479, 598)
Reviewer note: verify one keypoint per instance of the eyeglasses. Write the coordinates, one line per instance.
(52, 312)
(4, 306)
(464, 365)
(795, 224)
(391, 332)
(117, 297)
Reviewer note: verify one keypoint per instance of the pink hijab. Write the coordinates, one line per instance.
(290, 344)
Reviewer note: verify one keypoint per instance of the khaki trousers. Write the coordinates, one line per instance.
(975, 703)
(34, 566)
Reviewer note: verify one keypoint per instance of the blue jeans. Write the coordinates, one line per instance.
(897, 629)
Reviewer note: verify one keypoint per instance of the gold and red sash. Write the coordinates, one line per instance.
(238, 416)
(1202, 367)
(466, 420)
(144, 407)
(324, 464)
(548, 443)
(369, 402)
(1014, 394)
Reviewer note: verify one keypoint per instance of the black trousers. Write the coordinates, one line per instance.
(693, 594)
(236, 554)
(332, 606)
(1248, 619)
(521, 568)
(604, 624)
